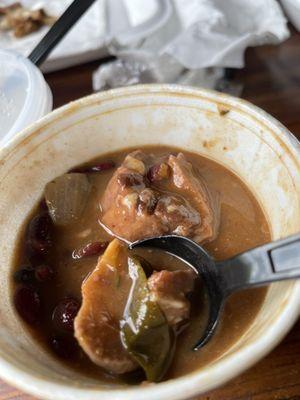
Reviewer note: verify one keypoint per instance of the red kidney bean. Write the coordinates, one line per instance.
(151, 174)
(104, 166)
(91, 249)
(64, 347)
(34, 255)
(25, 275)
(64, 314)
(158, 172)
(43, 205)
(39, 237)
(40, 228)
(28, 304)
(43, 273)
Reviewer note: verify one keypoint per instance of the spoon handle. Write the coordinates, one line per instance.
(275, 261)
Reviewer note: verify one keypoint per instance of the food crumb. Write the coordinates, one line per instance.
(147, 383)
(223, 111)
(23, 21)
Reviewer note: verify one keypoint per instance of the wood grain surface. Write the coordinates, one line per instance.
(271, 80)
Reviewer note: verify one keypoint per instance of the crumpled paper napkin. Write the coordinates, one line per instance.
(199, 39)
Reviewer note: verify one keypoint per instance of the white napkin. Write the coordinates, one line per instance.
(217, 32)
(198, 34)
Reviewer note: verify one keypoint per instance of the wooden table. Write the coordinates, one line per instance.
(271, 81)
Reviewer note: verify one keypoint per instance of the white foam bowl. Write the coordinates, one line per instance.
(231, 131)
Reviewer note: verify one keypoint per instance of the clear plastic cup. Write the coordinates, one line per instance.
(24, 94)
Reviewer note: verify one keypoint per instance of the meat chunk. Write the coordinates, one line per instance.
(177, 214)
(23, 21)
(195, 188)
(104, 296)
(168, 289)
(126, 210)
(149, 196)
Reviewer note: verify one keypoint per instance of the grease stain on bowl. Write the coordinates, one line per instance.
(223, 110)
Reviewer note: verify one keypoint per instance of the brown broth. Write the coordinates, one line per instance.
(243, 226)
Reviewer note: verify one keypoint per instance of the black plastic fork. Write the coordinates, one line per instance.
(275, 261)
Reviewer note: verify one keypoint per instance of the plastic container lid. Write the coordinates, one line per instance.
(24, 94)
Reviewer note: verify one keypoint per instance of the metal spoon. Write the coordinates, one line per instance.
(275, 261)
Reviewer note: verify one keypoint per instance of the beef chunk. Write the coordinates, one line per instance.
(104, 296)
(168, 289)
(125, 203)
(23, 21)
(177, 214)
(105, 293)
(205, 201)
(150, 196)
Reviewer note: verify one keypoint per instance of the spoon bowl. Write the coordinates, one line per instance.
(275, 261)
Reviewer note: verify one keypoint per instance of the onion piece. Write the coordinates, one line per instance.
(66, 197)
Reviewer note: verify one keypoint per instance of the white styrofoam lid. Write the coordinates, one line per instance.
(24, 94)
